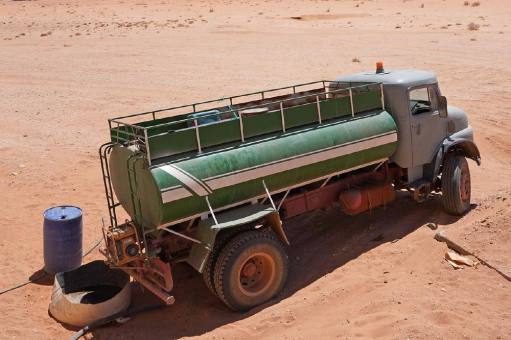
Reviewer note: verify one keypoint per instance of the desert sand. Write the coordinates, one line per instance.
(68, 66)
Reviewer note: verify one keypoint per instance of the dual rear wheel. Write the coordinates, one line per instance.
(247, 270)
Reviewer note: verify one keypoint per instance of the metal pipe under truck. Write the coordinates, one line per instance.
(210, 183)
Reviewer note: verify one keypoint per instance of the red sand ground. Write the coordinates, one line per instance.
(67, 66)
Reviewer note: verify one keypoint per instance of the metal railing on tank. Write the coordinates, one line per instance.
(140, 133)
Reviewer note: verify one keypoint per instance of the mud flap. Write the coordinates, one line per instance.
(207, 229)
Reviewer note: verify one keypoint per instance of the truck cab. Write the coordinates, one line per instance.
(428, 129)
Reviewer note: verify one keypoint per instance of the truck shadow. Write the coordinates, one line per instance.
(321, 242)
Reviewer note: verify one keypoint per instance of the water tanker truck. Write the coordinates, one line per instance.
(210, 183)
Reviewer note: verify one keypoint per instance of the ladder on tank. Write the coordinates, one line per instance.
(104, 152)
(135, 198)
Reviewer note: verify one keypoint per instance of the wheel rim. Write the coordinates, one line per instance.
(465, 184)
(256, 274)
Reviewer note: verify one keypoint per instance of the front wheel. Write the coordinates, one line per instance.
(251, 270)
(456, 186)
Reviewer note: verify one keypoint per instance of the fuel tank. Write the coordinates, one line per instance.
(175, 188)
(357, 200)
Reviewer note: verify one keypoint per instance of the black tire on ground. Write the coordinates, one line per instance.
(456, 186)
(251, 270)
(221, 241)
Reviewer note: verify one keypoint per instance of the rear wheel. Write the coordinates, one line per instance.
(456, 185)
(222, 239)
(251, 270)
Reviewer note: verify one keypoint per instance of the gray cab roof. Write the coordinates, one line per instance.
(406, 78)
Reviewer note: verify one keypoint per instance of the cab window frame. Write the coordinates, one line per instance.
(433, 103)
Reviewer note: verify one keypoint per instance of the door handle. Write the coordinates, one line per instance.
(418, 127)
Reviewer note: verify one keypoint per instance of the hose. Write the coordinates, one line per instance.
(230, 107)
(112, 317)
(93, 247)
(44, 274)
(22, 284)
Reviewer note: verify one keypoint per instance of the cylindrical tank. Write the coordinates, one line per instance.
(62, 239)
(177, 187)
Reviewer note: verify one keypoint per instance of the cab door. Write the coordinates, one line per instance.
(428, 129)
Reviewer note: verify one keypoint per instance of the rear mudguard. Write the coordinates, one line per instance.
(207, 229)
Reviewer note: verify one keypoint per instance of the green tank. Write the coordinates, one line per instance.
(180, 169)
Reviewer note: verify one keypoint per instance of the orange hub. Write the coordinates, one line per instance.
(256, 274)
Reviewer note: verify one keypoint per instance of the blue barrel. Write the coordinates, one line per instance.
(62, 239)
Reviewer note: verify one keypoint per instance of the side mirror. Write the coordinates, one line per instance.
(442, 107)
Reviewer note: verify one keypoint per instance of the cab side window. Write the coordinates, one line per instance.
(423, 100)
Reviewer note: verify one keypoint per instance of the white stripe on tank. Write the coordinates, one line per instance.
(268, 169)
(175, 194)
(246, 175)
(186, 179)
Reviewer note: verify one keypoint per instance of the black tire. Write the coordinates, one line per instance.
(221, 241)
(251, 270)
(456, 185)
